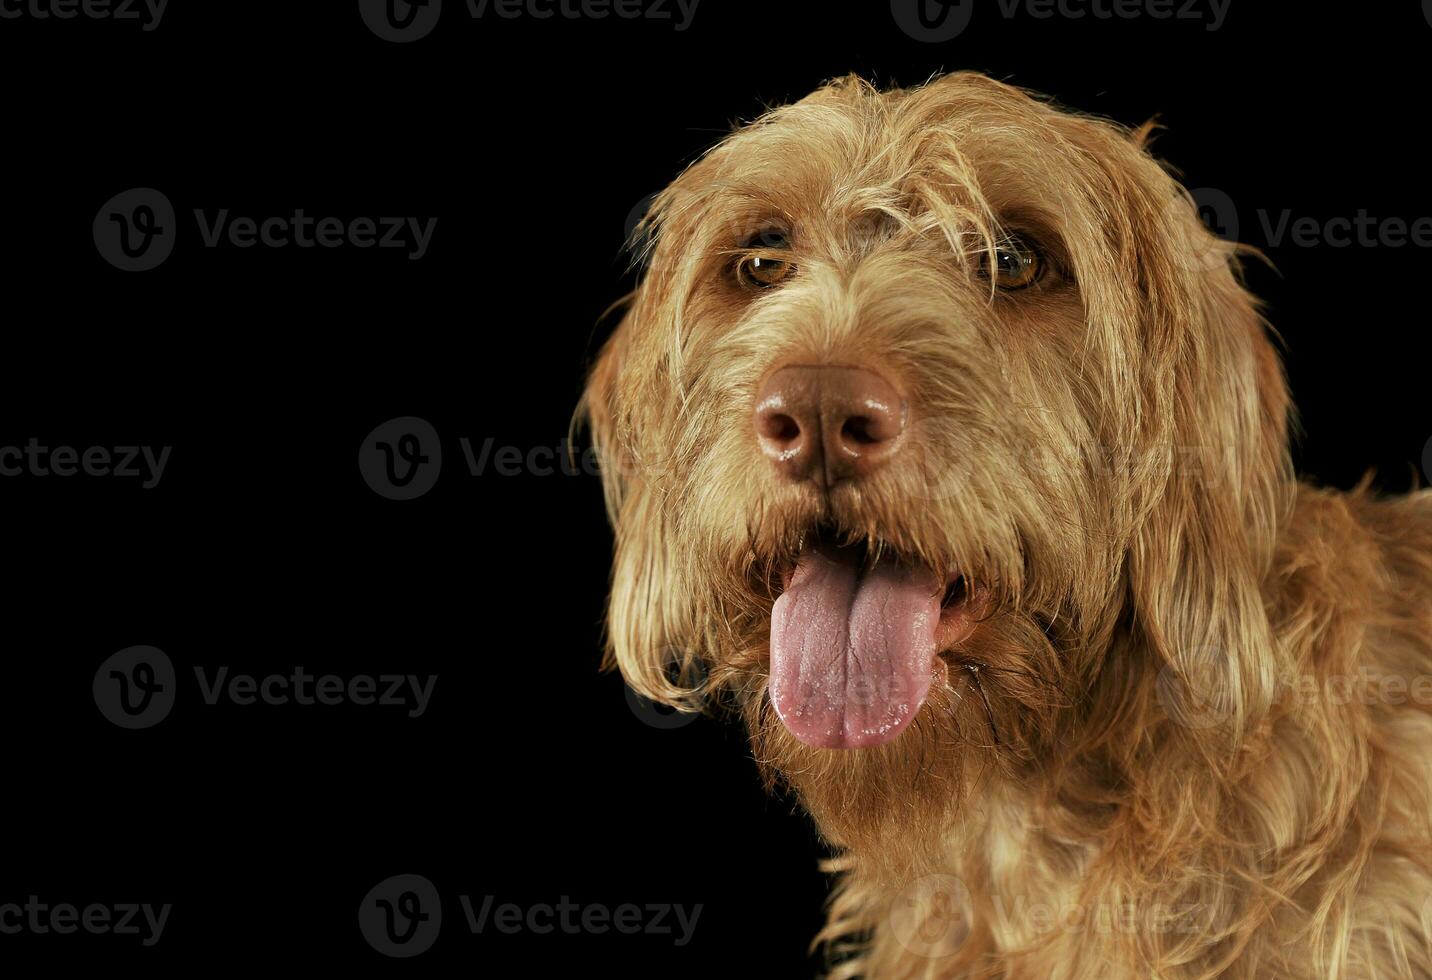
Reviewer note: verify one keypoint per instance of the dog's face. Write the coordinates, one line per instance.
(937, 419)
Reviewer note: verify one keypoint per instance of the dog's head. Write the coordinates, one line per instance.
(937, 426)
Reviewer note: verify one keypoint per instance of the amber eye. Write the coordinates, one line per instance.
(762, 271)
(1014, 264)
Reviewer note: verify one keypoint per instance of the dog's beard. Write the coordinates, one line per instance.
(993, 698)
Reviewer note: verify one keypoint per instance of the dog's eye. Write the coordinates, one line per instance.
(1014, 264)
(762, 271)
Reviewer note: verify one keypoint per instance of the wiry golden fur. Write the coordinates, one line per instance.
(1176, 746)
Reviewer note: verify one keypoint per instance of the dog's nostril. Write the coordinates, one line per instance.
(859, 430)
(780, 427)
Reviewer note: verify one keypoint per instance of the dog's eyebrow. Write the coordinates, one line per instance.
(772, 235)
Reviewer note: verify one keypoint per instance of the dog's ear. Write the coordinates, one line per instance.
(646, 612)
(598, 410)
(1195, 409)
(1216, 478)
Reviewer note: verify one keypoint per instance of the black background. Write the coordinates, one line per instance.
(531, 141)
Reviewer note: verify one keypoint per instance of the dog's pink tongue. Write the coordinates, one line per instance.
(852, 648)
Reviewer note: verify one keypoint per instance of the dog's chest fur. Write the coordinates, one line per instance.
(1318, 865)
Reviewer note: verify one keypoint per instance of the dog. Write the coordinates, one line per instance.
(945, 446)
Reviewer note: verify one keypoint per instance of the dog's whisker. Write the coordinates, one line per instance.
(974, 671)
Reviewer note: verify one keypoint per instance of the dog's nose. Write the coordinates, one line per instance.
(828, 423)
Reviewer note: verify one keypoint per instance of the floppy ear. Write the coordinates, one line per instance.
(646, 614)
(597, 409)
(1194, 407)
(1220, 480)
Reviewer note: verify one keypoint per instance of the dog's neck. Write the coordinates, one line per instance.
(1044, 857)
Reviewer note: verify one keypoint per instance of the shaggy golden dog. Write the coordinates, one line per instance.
(945, 445)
